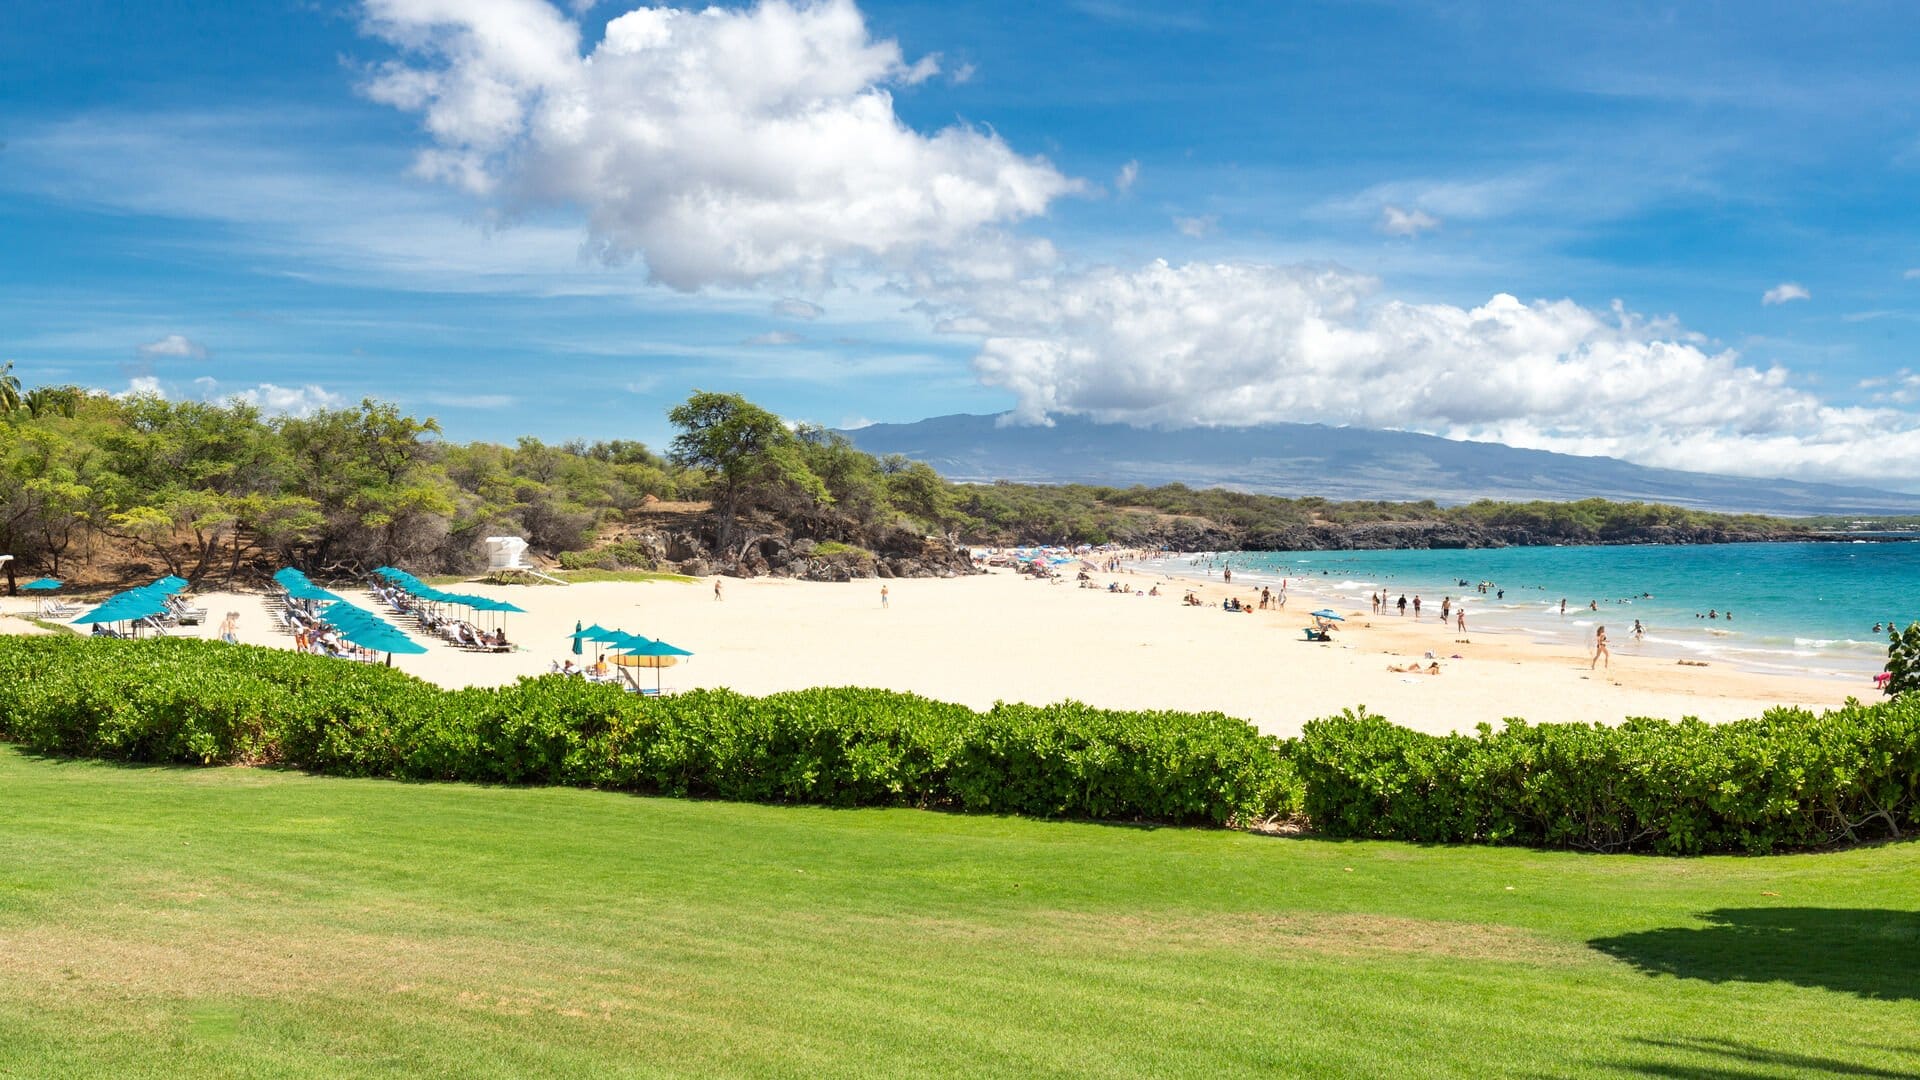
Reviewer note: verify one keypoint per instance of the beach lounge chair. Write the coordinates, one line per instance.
(1314, 634)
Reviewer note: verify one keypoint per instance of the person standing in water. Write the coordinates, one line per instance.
(1638, 630)
(1600, 648)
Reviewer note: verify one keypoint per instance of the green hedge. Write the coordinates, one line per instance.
(1787, 780)
(204, 702)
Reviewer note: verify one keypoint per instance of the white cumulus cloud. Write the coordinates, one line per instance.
(1785, 292)
(1247, 343)
(1395, 221)
(173, 347)
(720, 146)
(289, 400)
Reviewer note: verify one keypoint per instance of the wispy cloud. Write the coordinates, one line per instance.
(173, 347)
(1395, 221)
(1140, 15)
(773, 337)
(1196, 226)
(472, 401)
(1785, 293)
(1123, 180)
(791, 308)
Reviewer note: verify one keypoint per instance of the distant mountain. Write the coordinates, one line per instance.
(1337, 463)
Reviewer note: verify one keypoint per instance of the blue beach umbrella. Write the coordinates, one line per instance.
(646, 652)
(1327, 613)
(124, 607)
(380, 638)
(576, 635)
(45, 584)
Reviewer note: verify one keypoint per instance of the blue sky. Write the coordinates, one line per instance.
(1704, 215)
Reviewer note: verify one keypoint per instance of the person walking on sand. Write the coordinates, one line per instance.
(1416, 607)
(883, 596)
(716, 589)
(1462, 620)
(1403, 605)
(1600, 648)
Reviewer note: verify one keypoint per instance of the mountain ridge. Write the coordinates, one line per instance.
(1336, 463)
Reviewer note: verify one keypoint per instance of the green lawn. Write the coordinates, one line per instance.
(234, 922)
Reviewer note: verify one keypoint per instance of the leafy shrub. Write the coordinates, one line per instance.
(1903, 660)
(619, 555)
(201, 702)
(1788, 779)
(834, 549)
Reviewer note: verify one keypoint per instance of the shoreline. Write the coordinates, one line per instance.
(1001, 636)
(1792, 603)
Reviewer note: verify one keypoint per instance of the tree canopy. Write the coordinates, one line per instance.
(208, 488)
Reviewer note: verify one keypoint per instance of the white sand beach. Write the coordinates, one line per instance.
(1001, 636)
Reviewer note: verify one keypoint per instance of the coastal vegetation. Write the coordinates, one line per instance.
(1787, 780)
(219, 490)
(259, 922)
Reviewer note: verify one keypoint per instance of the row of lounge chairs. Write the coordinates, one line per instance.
(613, 677)
(312, 634)
(456, 632)
(178, 613)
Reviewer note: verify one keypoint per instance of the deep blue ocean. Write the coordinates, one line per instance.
(1794, 607)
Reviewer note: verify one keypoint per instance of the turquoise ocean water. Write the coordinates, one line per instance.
(1796, 607)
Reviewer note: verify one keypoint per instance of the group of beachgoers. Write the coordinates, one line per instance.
(314, 635)
(599, 671)
(1450, 611)
(456, 632)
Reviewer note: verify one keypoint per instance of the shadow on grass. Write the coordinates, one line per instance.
(1872, 952)
(1724, 1059)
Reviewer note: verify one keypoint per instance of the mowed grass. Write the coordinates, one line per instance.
(237, 922)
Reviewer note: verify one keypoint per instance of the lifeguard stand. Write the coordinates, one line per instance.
(507, 555)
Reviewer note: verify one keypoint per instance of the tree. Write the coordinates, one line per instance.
(373, 474)
(921, 492)
(9, 390)
(1903, 660)
(746, 447)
